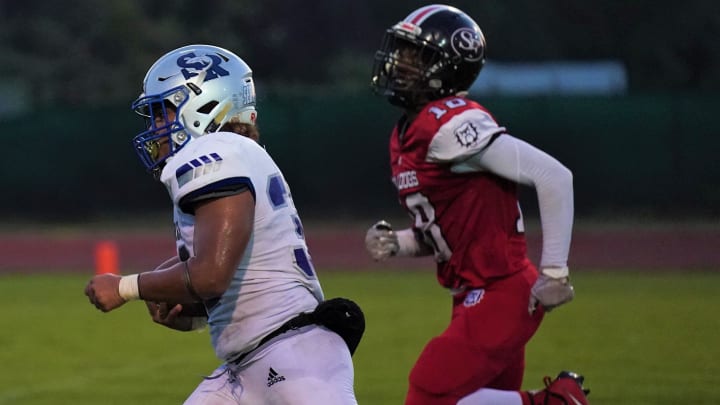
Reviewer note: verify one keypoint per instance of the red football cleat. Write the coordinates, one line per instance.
(566, 389)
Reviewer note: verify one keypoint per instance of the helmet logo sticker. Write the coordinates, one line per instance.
(192, 65)
(467, 134)
(468, 44)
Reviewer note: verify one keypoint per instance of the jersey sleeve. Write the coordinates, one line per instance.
(462, 136)
(215, 170)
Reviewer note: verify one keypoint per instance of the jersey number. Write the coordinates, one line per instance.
(424, 214)
(450, 104)
(280, 197)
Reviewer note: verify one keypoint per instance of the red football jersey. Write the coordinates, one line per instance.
(471, 218)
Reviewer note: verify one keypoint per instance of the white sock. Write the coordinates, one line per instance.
(489, 396)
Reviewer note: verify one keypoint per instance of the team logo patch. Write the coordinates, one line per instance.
(197, 167)
(467, 134)
(468, 44)
(473, 297)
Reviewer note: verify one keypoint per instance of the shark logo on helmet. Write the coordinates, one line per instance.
(192, 65)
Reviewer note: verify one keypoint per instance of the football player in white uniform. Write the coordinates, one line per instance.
(241, 249)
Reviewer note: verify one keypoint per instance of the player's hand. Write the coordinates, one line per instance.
(169, 315)
(102, 291)
(550, 292)
(381, 241)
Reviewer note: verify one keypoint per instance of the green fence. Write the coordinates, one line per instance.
(629, 154)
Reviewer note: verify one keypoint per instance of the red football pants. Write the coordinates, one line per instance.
(483, 347)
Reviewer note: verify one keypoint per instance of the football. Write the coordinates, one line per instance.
(193, 309)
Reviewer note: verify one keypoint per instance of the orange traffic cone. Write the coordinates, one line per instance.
(106, 257)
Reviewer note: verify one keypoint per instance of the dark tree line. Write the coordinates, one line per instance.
(97, 51)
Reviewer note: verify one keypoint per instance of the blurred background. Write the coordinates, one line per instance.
(624, 93)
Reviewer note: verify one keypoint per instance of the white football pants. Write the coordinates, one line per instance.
(307, 366)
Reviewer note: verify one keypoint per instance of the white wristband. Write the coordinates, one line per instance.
(128, 287)
(556, 272)
(407, 244)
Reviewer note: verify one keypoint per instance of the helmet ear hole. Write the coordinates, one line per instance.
(208, 107)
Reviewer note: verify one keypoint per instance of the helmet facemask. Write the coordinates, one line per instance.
(407, 70)
(161, 130)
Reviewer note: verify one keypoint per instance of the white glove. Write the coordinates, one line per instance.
(551, 290)
(381, 241)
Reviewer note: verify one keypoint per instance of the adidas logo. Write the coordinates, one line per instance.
(274, 377)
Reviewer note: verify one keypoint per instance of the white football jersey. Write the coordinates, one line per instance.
(275, 279)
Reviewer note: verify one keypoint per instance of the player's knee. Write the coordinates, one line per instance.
(443, 368)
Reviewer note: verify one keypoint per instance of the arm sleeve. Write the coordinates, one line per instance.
(464, 135)
(518, 161)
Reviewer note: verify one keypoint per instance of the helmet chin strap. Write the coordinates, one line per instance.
(157, 171)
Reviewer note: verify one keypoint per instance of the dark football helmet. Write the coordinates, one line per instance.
(436, 51)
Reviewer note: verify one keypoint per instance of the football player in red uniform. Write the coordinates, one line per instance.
(457, 172)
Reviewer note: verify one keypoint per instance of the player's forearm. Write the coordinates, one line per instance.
(556, 213)
(522, 163)
(553, 184)
(165, 285)
(182, 282)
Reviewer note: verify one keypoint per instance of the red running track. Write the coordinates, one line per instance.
(672, 248)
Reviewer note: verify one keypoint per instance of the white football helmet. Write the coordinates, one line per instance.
(205, 85)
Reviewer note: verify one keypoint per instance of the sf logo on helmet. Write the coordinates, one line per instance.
(192, 65)
(468, 44)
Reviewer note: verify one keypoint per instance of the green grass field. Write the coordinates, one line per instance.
(639, 338)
